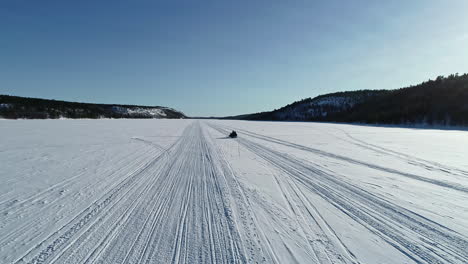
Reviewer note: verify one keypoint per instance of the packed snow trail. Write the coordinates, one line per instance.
(362, 163)
(171, 211)
(421, 239)
(183, 192)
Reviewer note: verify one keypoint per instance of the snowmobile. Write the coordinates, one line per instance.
(233, 134)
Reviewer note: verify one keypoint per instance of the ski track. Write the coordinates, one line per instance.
(186, 204)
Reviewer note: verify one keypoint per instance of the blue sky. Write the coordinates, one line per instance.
(224, 57)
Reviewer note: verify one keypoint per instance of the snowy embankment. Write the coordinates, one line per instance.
(180, 191)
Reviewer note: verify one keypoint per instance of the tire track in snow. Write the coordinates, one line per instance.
(57, 240)
(34, 220)
(256, 243)
(323, 243)
(153, 144)
(179, 208)
(105, 228)
(190, 224)
(58, 185)
(431, 165)
(449, 185)
(122, 164)
(419, 238)
(103, 233)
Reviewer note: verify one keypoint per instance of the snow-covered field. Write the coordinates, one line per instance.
(179, 191)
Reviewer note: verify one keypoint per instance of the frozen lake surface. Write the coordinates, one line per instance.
(181, 191)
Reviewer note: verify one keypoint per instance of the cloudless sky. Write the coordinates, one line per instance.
(224, 57)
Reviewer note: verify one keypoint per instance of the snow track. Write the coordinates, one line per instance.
(170, 203)
(194, 196)
(362, 163)
(393, 223)
(410, 158)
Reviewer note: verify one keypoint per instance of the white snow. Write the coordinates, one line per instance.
(336, 101)
(151, 112)
(5, 105)
(180, 191)
(318, 107)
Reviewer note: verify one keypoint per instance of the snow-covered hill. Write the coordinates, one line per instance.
(21, 107)
(149, 112)
(436, 102)
(317, 108)
(320, 106)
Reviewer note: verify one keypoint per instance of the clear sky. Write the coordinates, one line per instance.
(224, 57)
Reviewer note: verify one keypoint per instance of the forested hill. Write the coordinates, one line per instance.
(443, 101)
(13, 107)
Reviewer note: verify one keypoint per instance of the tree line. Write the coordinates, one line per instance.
(442, 101)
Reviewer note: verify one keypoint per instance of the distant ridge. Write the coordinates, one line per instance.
(443, 101)
(13, 107)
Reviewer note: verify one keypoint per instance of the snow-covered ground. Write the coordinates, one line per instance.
(180, 191)
(147, 112)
